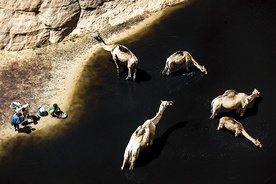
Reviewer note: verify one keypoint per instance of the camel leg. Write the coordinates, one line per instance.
(170, 66)
(124, 162)
(166, 68)
(129, 73)
(238, 110)
(164, 71)
(236, 132)
(242, 110)
(134, 157)
(132, 163)
(186, 66)
(220, 125)
(213, 112)
(151, 139)
(115, 59)
(214, 109)
(134, 73)
(244, 105)
(126, 158)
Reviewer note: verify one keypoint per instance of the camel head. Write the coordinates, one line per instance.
(256, 93)
(165, 103)
(203, 69)
(257, 143)
(97, 36)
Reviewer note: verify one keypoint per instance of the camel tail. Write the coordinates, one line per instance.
(165, 68)
(212, 104)
(212, 115)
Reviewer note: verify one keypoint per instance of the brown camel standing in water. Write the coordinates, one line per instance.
(122, 54)
(143, 136)
(235, 126)
(232, 100)
(181, 57)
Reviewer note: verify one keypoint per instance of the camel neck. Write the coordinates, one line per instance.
(251, 97)
(158, 116)
(196, 64)
(246, 135)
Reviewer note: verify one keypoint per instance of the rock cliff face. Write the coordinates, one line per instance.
(27, 23)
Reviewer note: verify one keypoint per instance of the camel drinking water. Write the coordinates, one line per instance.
(231, 99)
(181, 57)
(143, 136)
(235, 126)
(122, 54)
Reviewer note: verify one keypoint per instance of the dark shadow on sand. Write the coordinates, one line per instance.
(152, 152)
(251, 111)
(26, 129)
(35, 119)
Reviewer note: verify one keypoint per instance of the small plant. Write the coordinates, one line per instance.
(71, 38)
(43, 44)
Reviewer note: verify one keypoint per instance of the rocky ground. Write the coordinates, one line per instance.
(48, 74)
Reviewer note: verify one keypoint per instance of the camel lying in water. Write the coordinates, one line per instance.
(181, 57)
(235, 126)
(232, 100)
(122, 54)
(143, 136)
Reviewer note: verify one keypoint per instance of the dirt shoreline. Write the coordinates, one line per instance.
(48, 75)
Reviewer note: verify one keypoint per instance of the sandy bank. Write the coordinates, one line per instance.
(48, 75)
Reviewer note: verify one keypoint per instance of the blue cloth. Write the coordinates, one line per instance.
(16, 120)
(41, 111)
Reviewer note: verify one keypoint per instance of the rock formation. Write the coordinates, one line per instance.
(30, 23)
(27, 23)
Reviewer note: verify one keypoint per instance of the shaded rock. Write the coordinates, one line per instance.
(29, 23)
(101, 15)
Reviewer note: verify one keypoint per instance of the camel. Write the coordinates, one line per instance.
(232, 100)
(235, 126)
(121, 54)
(143, 136)
(181, 57)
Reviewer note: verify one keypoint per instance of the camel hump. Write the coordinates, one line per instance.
(230, 93)
(179, 53)
(139, 131)
(123, 48)
(234, 121)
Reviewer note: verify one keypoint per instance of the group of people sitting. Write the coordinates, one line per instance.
(22, 117)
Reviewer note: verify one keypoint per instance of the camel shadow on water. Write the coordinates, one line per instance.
(141, 75)
(153, 151)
